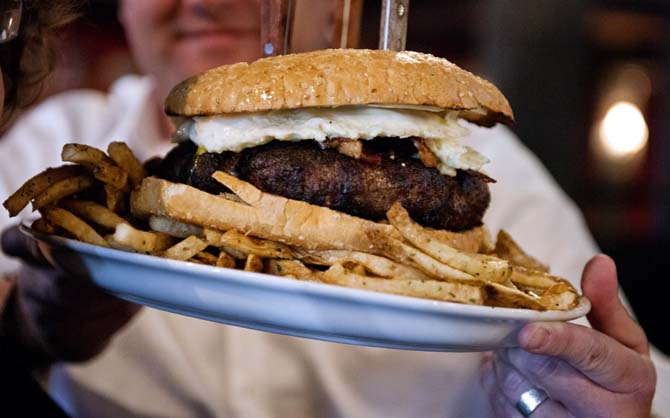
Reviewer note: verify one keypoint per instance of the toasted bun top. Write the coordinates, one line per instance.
(340, 77)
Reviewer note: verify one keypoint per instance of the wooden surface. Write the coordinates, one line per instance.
(393, 25)
(347, 23)
(276, 24)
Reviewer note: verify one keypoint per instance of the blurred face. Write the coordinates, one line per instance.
(175, 39)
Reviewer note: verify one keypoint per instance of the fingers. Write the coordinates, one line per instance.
(68, 319)
(562, 381)
(596, 355)
(57, 292)
(17, 244)
(581, 395)
(76, 338)
(504, 387)
(608, 315)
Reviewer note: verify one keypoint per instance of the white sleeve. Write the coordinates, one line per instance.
(529, 204)
(35, 141)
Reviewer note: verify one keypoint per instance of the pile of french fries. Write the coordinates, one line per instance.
(88, 199)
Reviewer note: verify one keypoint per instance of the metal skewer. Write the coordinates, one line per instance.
(276, 26)
(347, 25)
(393, 26)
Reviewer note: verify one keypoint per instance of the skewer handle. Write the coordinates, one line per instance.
(347, 23)
(393, 26)
(276, 26)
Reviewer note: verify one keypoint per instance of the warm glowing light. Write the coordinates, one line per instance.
(623, 131)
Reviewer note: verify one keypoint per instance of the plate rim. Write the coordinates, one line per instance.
(268, 281)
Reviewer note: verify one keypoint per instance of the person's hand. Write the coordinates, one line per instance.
(55, 316)
(586, 373)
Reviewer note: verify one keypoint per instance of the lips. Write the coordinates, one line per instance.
(212, 40)
(214, 33)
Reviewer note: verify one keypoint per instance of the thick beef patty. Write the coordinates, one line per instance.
(365, 187)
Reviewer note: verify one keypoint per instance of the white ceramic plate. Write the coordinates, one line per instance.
(292, 307)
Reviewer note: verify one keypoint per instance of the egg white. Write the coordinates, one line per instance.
(440, 130)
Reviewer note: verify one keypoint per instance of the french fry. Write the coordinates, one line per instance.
(102, 166)
(508, 249)
(526, 278)
(233, 252)
(213, 237)
(254, 263)
(561, 296)
(125, 158)
(248, 245)
(430, 289)
(356, 268)
(206, 258)
(231, 196)
(433, 267)
(43, 226)
(377, 265)
(404, 254)
(290, 268)
(475, 240)
(504, 296)
(174, 228)
(245, 191)
(126, 237)
(163, 242)
(74, 225)
(37, 184)
(553, 292)
(225, 260)
(186, 248)
(94, 212)
(115, 199)
(61, 189)
(481, 266)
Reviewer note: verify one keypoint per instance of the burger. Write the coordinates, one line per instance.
(347, 133)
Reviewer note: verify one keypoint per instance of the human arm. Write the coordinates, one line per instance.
(529, 204)
(602, 371)
(55, 316)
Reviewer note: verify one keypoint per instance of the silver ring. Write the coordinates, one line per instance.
(530, 400)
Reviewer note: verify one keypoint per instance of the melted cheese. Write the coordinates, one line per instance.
(240, 131)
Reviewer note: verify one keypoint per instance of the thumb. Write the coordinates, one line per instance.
(608, 315)
(17, 244)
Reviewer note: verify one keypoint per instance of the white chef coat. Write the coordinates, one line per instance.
(166, 365)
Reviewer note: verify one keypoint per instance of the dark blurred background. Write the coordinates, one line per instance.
(589, 82)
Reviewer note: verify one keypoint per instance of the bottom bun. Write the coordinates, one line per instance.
(274, 217)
